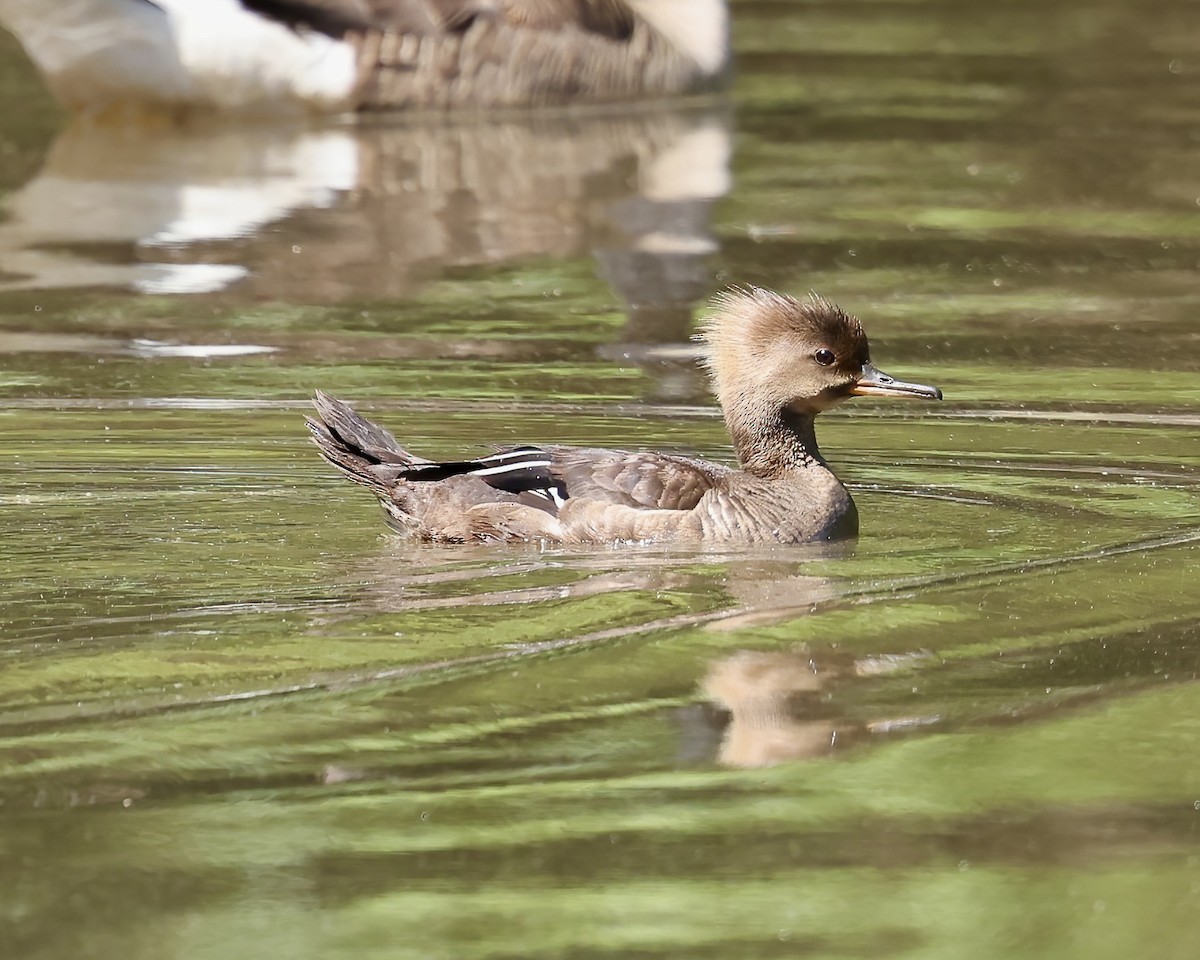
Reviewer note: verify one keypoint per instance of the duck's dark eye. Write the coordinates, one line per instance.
(824, 357)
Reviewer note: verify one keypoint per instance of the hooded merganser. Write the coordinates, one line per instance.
(776, 362)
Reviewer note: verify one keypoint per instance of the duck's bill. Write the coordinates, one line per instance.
(876, 383)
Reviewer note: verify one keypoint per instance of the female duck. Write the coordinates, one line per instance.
(776, 363)
(347, 55)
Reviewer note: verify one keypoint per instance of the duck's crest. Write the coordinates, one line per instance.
(749, 315)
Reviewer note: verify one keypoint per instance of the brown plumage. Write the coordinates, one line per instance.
(453, 53)
(776, 363)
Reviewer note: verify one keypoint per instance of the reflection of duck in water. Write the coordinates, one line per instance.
(776, 362)
(339, 55)
(774, 706)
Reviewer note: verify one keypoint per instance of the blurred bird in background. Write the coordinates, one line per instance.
(334, 56)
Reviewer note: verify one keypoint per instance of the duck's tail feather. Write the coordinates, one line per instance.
(369, 455)
(362, 450)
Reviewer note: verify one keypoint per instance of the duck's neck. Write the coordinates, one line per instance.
(776, 443)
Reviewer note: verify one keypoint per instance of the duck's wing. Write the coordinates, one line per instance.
(524, 471)
(656, 481)
(547, 477)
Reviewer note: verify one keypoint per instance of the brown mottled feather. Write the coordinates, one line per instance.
(654, 480)
(493, 62)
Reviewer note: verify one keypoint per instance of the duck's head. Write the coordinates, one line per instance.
(768, 351)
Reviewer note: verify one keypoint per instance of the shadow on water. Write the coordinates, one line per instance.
(236, 716)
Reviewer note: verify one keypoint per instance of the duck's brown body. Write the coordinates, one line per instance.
(776, 362)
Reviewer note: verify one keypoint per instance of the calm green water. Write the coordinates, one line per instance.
(237, 720)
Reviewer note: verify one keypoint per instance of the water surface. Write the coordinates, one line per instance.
(236, 718)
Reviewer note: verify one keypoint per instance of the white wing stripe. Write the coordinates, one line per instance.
(509, 455)
(550, 494)
(509, 468)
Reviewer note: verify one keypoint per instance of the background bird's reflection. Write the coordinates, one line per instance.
(373, 212)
